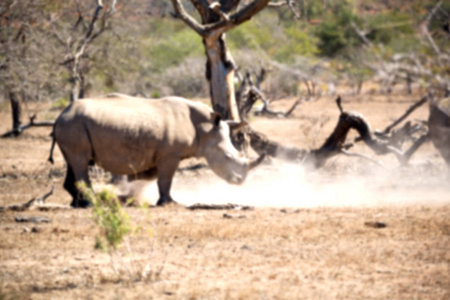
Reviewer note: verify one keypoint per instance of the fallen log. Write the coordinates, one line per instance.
(381, 144)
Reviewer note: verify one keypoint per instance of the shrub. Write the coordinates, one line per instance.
(108, 215)
(115, 226)
(335, 33)
(186, 79)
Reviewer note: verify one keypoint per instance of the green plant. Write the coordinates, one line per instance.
(60, 103)
(108, 215)
(115, 225)
(335, 33)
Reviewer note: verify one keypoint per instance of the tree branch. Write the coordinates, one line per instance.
(289, 3)
(220, 27)
(187, 19)
(352, 154)
(334, 144)
(32, 123)
(243, 15)
(266, 110)
(28, 204)
(425, 25)
(406, 114)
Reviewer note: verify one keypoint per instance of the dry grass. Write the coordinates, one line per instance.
(318, 247)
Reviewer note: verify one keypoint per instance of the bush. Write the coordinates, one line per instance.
(335, 33)
(281, 41)
(108, 215)
(175, 49)
(115, 226)
(385, 27)
(186, 80)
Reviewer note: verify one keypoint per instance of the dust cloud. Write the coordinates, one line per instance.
(290, 186)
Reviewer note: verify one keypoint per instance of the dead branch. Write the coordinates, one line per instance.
(225, 24)
(265, 110)
(289, 3)
(352, 154)
(410, 68)
(409, 153)
(248, 94)
(215, 6)
(219, 206)
(32, 123)
(424, 28)
(375, 224)
(406, 114)
(23, 219)
(76, 78)
(396, 137)
(28, 204)
(18, 207)
(335, 143)
(41, 200)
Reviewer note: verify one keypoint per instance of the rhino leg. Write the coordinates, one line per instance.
(166, 171)
(69, 185)
(78, 200)
(82, 175)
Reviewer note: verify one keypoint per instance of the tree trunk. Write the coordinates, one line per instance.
(16, 112)
(220, 75)
(217, 18)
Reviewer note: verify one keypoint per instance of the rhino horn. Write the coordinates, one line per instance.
(256, 161)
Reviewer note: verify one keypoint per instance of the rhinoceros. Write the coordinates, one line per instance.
(146, 138)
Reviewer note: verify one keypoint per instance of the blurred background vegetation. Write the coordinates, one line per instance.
(145, 51)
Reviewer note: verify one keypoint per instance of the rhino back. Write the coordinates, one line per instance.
(128, 135)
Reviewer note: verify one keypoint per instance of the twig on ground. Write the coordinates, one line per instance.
(218, 206)
(38, 203)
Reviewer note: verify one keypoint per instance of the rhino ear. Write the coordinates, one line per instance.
(216, 118)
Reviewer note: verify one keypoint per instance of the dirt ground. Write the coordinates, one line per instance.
(311, 234)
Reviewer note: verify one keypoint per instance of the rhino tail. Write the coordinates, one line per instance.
(50, 158)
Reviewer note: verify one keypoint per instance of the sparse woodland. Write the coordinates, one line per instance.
(59, 51)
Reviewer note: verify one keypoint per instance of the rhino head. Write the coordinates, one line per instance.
(222, 157)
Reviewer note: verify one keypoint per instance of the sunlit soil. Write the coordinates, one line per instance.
(352, 230)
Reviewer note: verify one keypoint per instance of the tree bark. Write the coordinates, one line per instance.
(16, 112)
(220, 75)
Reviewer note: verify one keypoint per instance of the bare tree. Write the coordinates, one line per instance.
(17, 21)
(76, 46)
(33, 37)
(411, 67)
(216, 19)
